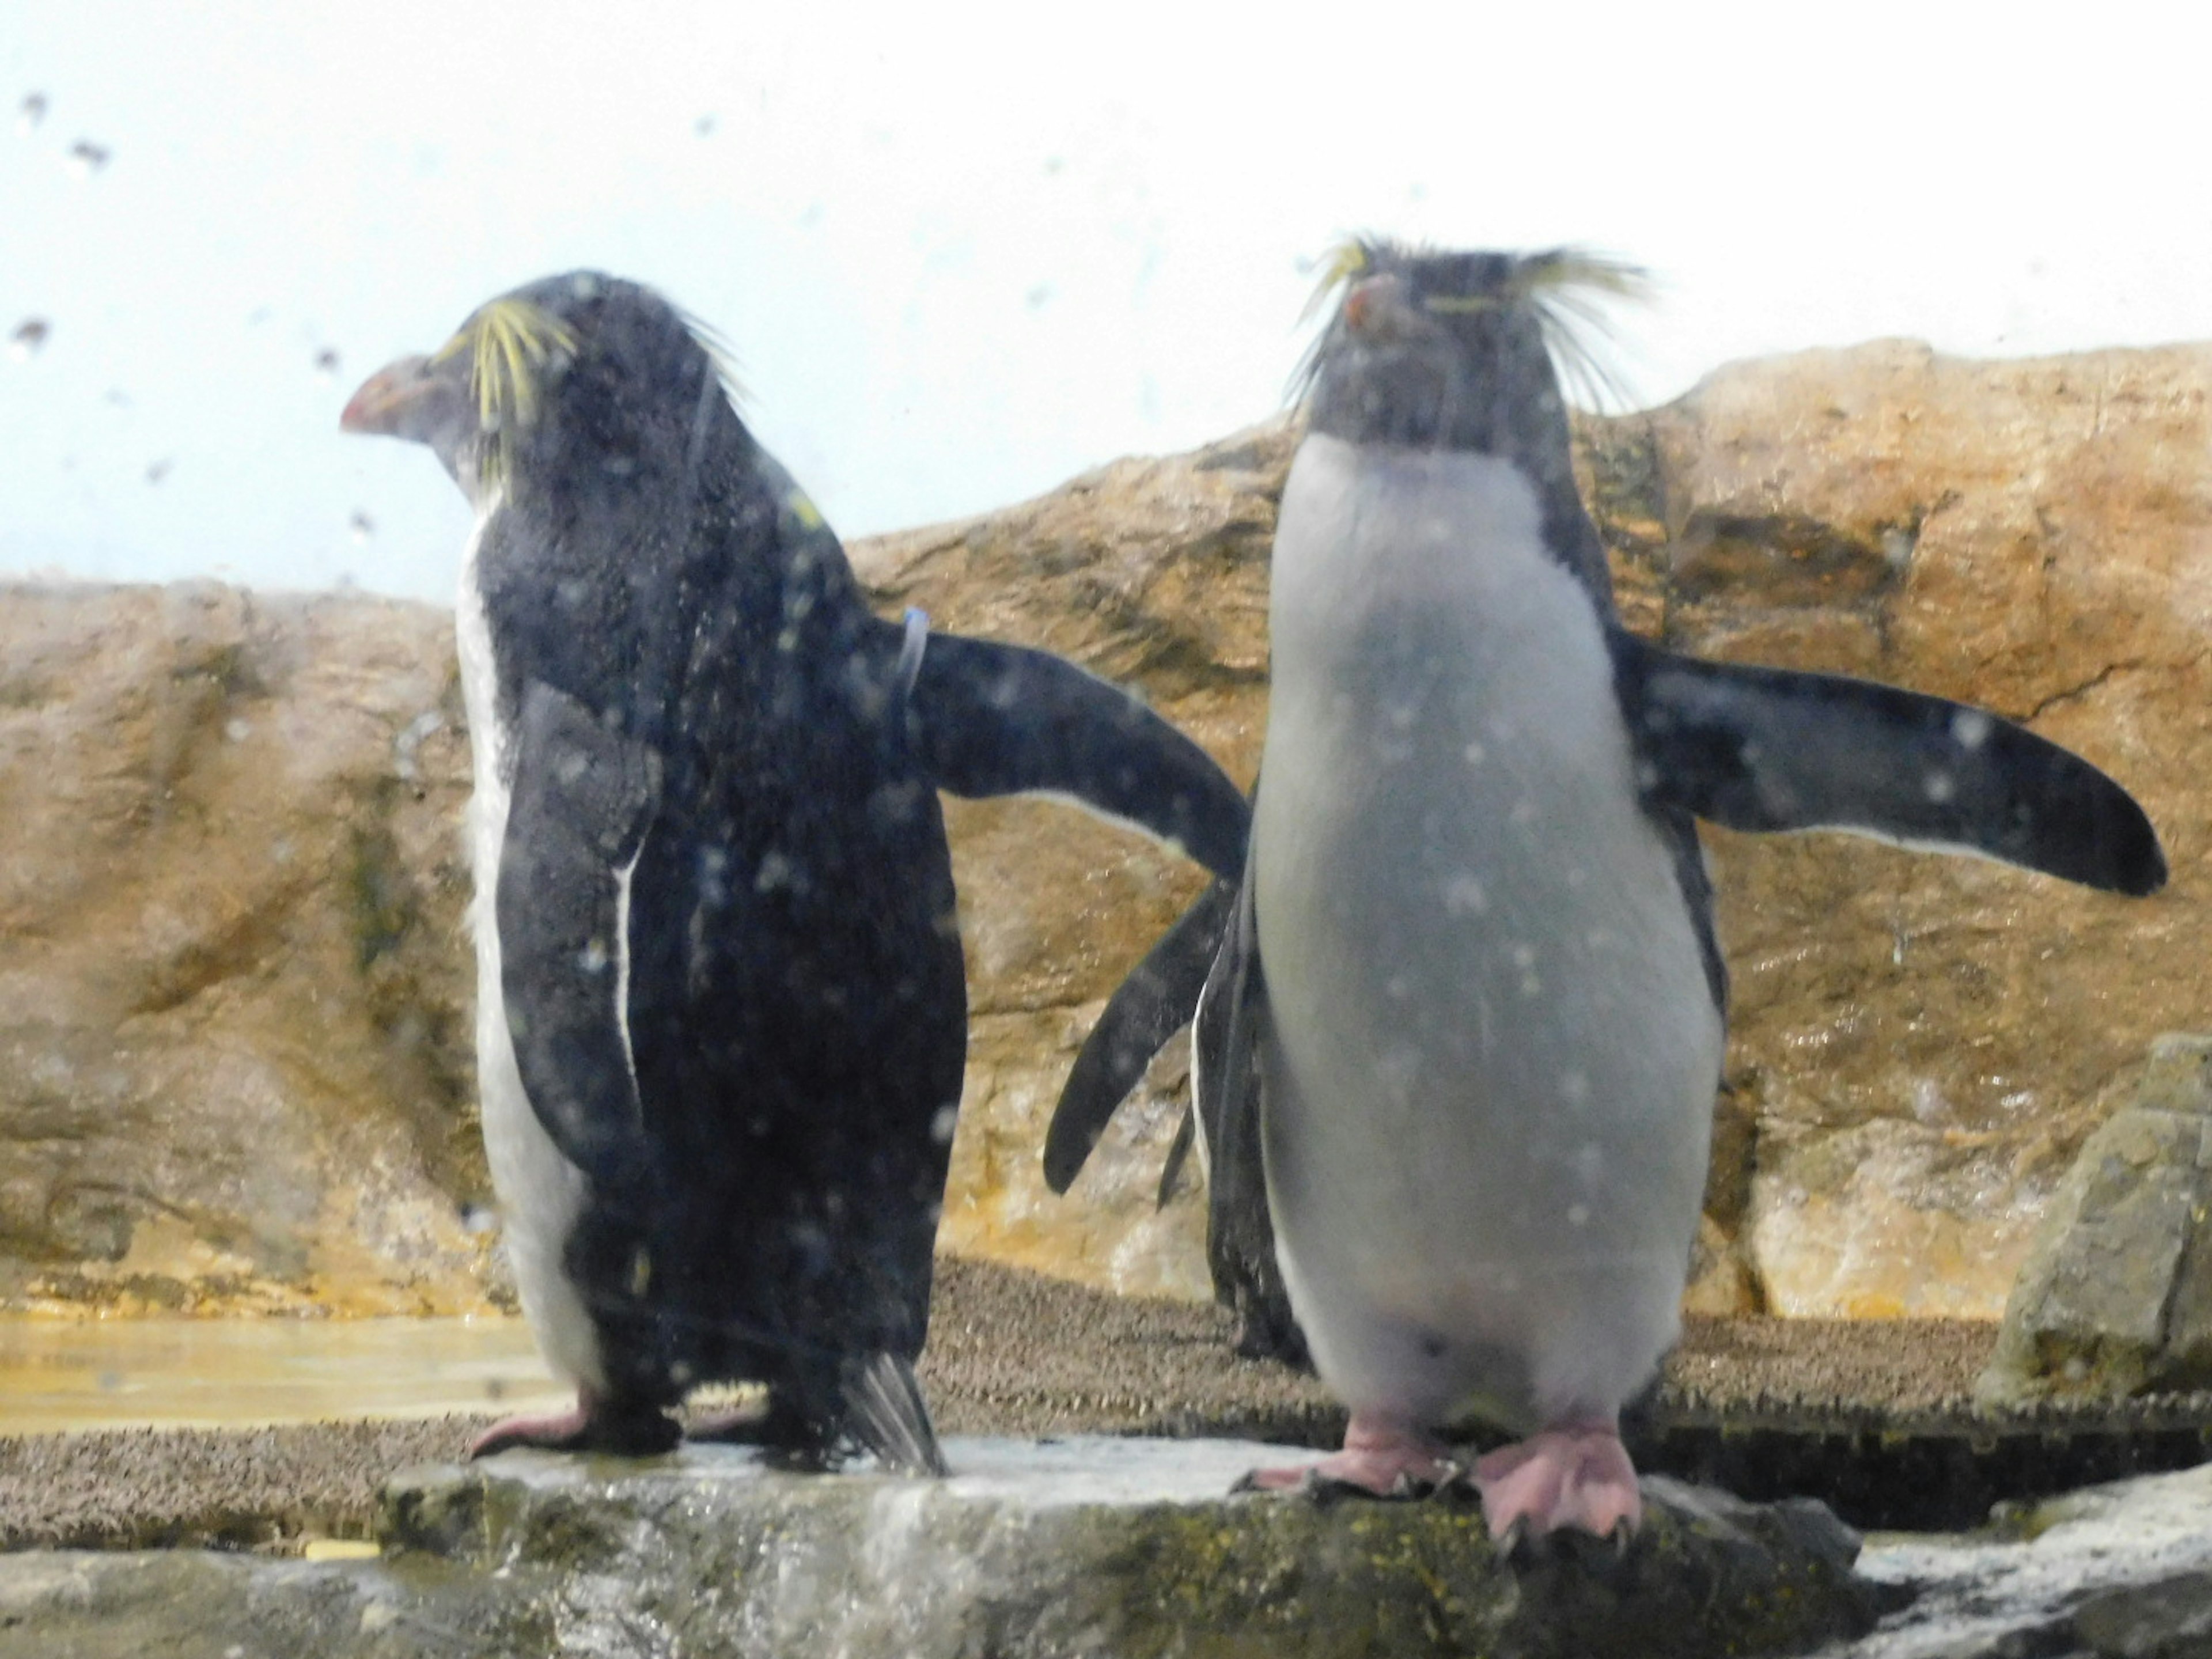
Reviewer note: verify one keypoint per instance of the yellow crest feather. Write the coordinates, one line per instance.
(511, 341)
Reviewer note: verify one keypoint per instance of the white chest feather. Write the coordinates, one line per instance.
(1495, 1049)
(540, 1192)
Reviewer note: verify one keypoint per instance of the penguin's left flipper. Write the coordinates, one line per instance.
(990, 719)
(583, 798)
(1769, 749)
(1149, 1007)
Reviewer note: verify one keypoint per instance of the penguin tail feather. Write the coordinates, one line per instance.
(885, 1413)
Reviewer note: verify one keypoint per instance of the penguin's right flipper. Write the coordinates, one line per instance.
(583, 800)
(1149, 1007)
(1768, 749)
(991, 719)
(885, 1413)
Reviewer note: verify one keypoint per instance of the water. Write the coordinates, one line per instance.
(58, 1374)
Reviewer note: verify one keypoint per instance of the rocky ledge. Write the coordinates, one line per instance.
(1066, 1548)
(1097, 1548)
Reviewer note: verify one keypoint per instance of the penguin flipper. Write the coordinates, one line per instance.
(1178, 1155)
(990, 719)
(1771, 749)
(583, 797)
(1229, 1035)
(1149, 1007)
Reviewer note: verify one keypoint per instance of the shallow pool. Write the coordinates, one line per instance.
(66, 1374)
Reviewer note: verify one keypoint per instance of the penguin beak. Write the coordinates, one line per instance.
(410, 399)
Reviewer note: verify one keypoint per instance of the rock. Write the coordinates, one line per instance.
(2116, 1296)
(234, 1069)
(233, 1066)
(1919, 1045)
(2121, 1572)
(1154, 574)
(1070, 1549)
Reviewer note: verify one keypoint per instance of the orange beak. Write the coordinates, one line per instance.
(408, 399)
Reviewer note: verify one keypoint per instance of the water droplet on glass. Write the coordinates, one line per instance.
(87, 157)
(1940, 787)
(30, 111)
(1971, 728)
(363, 526)
(1465, 896)
(941, 1126)
(326, 360)
(28, 338)
(704, 126)
(236, 731)
(157, 471)
(479, 1219)
(1578, 1215)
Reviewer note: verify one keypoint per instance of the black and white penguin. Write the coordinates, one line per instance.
(1467, 1004)
(721, 1017)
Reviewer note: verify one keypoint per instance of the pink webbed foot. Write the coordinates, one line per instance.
(1381, 1456)
(594, 1425)
(1577, 1476)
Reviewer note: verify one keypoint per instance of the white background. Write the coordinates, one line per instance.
(963, 253)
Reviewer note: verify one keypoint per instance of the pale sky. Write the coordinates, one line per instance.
(963, 253)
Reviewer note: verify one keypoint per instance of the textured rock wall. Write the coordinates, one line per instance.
(234, 1067)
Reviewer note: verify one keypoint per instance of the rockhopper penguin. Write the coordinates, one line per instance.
(1466, 1008)
(721, 1016)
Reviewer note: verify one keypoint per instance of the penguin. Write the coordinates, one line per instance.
(721, 1013)
(1467, 1004)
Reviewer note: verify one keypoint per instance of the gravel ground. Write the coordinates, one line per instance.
(1010, 1352)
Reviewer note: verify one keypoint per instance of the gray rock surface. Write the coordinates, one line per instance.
(2121, 1572)
(2116, 1295)
(1062, 1548)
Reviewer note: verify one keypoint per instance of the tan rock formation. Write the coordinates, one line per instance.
(1920, 1045)
(234, 1062)
(233, 1037)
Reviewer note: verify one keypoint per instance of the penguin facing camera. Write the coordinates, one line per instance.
(1460, 1027)
(721, 1013)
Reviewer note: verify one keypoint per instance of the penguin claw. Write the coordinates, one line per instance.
(1375, 1465)
(593, 1426)
(1576, 1477)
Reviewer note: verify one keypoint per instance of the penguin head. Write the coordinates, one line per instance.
(575, 379)
(1430, 350)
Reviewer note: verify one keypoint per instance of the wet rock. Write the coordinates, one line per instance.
(2122, 1571)
(1068, 1549)
(1152, 572)
(233, 1066)
(2116, 1296)
(1922, 1044)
